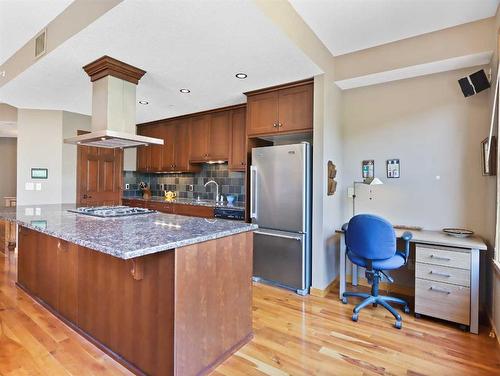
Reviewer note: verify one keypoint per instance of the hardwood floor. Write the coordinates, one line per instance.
(293, 336)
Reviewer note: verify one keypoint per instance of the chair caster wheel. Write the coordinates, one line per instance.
(407, 309)
(355, 317)
(344, 300)
(398, 324)
(375, 304)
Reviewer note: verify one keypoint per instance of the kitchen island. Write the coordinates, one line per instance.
(163, 294)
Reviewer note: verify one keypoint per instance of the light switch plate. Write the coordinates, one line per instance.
(38, 186)
(350, 192)
(29, 186)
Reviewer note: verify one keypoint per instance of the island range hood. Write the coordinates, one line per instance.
(113, 106)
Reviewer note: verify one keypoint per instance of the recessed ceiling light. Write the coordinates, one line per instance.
(185, 91)
(143, 102)
(241, 76)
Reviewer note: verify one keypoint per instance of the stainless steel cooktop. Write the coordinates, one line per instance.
(111, 211)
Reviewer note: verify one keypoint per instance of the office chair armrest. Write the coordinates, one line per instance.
(407, 236)
(344, 227)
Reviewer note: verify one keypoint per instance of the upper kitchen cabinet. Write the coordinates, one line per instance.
(218, 145)
(150, 158)
(198, 138)
(182, 146)
(238, 155)
(168, 132)
(209, 137)
(282, 109)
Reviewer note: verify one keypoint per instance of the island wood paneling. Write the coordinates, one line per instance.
(133, 318)
(126, 307)
(213, 301)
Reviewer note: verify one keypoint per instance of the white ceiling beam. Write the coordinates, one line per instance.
(446, 65)
(286, 18)
(467, 39)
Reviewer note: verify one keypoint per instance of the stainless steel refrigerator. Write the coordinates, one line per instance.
(280, 203)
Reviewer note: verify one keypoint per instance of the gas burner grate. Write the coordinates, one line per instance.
(111, 211)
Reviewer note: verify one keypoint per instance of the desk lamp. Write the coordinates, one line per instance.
(367, 181)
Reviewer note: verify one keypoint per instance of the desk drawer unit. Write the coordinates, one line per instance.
(443, 300)
(442, 283)
(444, 257)
(444, 274)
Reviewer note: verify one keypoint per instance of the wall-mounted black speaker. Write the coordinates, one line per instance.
(474, 83)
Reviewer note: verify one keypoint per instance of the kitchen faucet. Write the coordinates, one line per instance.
(216, 187)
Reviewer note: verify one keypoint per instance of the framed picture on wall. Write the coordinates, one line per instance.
(489, 165)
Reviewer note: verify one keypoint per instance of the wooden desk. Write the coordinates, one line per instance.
(440, 242)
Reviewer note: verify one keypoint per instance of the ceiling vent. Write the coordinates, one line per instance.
(40, 43)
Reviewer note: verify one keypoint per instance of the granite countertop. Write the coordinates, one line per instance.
(124, 237)
(192, 201)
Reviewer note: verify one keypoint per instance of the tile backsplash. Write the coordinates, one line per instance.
(230, 183)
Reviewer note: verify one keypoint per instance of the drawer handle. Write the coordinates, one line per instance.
(439, 290)
(440, 258)
(440, 274)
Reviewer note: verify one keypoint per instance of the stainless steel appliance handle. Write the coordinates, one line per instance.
(298, 238)
(253, 192)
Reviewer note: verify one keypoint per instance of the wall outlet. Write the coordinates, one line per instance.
(127, 187)
(350, 192)
(29, 186)
(162, 187)
(190, 188)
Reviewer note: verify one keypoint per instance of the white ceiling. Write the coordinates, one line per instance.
(181, 44)
(20, 20)
(350, 25)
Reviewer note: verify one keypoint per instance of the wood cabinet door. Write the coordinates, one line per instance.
(182, 145)
(198, 138)
(238, 155)
(143, 153)
(219, 133)
(47, 270)
(262, 113)
(156, 151)
(99, 176)
(67, 274)
(168, 132)
(194, 210)
(27, 259)
(296, 108)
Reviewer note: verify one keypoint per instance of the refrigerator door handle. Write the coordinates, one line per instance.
(298, 238)
(253, 192)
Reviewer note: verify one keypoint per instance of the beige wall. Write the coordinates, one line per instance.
(428, 124)
(71, 124)
(327, 210)
(8, 157)
(40, 144)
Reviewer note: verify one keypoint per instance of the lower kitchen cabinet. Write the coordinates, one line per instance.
(47, 267)
(194, 210)
(172, 208)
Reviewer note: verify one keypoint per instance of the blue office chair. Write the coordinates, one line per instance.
(371, 243)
